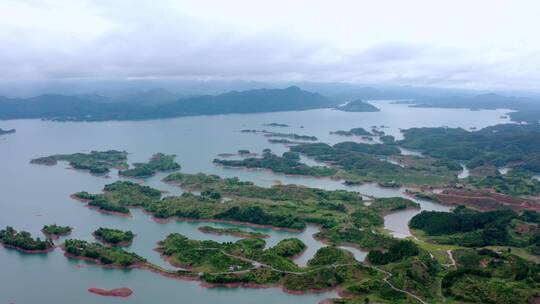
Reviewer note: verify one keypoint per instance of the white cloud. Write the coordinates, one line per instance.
(471, 44)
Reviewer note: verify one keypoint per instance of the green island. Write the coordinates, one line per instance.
(114, 236)
(54, 231)
(435, 267)
(358, 106)
(444, 153)
(283, 141)
(97, 162)
(246, 262)
(120, 195)
(159, 162)
(271, 135)
(275, 124)
(233, 231)
(361, 162)
(288, 163)
(100, 254)
(353, 131)
(5, 132)
(23, 241)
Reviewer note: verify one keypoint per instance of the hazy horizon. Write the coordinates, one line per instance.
(480, 45)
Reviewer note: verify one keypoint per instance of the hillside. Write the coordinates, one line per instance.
(90, 108)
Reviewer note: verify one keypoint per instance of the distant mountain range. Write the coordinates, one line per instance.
(159, 104)
(526, 109)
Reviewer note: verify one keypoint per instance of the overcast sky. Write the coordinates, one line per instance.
(464, 44)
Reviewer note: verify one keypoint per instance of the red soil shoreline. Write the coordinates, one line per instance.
(29, 251)
(122, 292)
(195, 277)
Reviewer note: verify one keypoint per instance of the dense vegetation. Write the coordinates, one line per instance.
(470, 228)
(369, 162)
(97, 162)
(500, 145)
(397, 252)
(282, 136)
(207, 255)
(233, 231)
(158, 162)
(112, 256)
(23, 240)
(96, 108)
(246, 261)
(114, 236)
(485, 276)
(514, 182)
(55, 230)
(288, 163)
(345, 220)
(121, 195)
(353, 131)
(358, 106)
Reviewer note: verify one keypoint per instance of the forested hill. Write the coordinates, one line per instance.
(62, 107)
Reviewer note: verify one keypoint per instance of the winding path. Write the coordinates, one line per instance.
(257, 264)
(452, 261)
(388, 276)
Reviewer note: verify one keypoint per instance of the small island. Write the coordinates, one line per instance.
(123, 292)
(281, 141)
(275, 124)
(114, 236)
(5, 132)
(353, 131)
(96, 162)
(358, 106)
(23, 241)
(233, 232)
(100, 254)
(119, 196)
(159, 162)
(288, 163)
(289, 136)
(54, 231)
(271, 134)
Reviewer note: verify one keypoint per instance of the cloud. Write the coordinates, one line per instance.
(350, 42)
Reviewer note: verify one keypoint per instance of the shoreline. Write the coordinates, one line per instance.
(122, 292)
(98, 209)
(231, 222)
(244, 235)
(54, 236)
(138, 265)
(29, 251)
(120, 244)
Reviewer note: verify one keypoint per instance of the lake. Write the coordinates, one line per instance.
(34, 195)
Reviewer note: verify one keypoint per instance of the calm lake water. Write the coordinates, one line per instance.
(34, 195)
